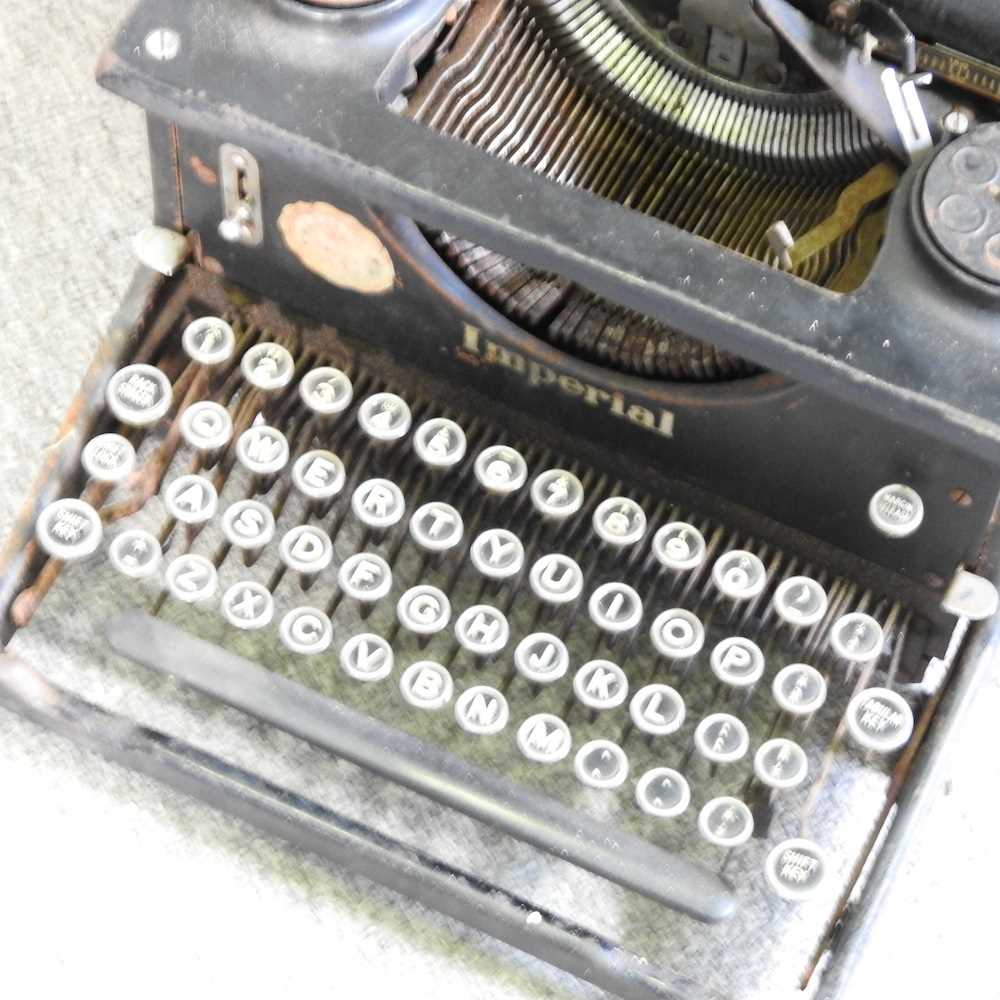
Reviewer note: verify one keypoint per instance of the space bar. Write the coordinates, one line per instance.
(624, 859)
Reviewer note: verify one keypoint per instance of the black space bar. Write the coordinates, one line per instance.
(620, 857)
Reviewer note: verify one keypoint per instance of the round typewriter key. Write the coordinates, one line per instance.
(306, 549)
(544, 738)
(135, 553)
(896, 510)
(482, 710)
(615, 607)
(601, 684)
(725, 822)
(482, 630)
(208, 341)
(663, 792)
(248, 524)
(857, 637)
(800, 601)
(427, 685)
(139, 395)
(206, 425)
(657, 709)
(601, 764)
(556, 494)
(780, 764)
(192, 578)
(497, 553)
(268, 366)
(248, 605)
(721, 738)
(677, 634)
(436, 526)
(306, 630)
(799, 689)
(795, 869)
(384, 417)
(739, 575)
(879, 719)
(679, 546)
(326, 391)
(619, 521)
(439, 443)
(318, 475)
(262, 450)
(365, 577)
(69, 529)
(424, 610)
(378, 503)
(541, 658)
(108, 458)
(737, 662)
(501, 470)
(556, 579)
(366, 657)
(192, 499)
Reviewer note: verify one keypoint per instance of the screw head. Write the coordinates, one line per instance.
(162, 44)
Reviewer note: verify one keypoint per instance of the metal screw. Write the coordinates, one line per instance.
(162, 44)
(960, 497)
(956, 122)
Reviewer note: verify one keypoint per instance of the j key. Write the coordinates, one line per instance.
(541, 658)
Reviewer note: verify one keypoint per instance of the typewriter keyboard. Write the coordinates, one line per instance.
(518, 608)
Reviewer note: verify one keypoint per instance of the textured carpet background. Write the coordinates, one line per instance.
(112, 885)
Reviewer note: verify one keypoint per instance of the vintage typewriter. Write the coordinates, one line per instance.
(548, 459)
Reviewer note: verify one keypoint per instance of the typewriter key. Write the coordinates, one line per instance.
(501, 470)
(135, 553)
(318, 475)
(800, 601)
(725, 822)
(482, 630)
(482, 710)
(262, 450)
(600, 685)
(326, 391)
(556, 579)
(208, 341)
(657, 710)
(541, 658)
(879, 719)
(780, 764)
(206, 426)
(192, 578)
(268, 367)
(721, 738)
(69, 529)
(799, 689)
(737, 662)
(108, 458)
(384, 417)
(248, 524)
(663, 792)
(795, 869)
(544, 738)
(306, 550)
(497, 553)
(423, 610)
(857, 638)
(619, 522)
(601, 764)
(896, 510)
(191, 499)
(739, 575)
(556, 494)
(615, 608)
(378, 504)
(248, 605)
(427, 685)
(679, 546)
(306, 630)
(139, 395)
(366, 577)
(677, 634)
(439, 443)
(366, 657)
(436, 527)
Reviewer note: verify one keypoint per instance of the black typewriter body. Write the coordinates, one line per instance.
(337, 173)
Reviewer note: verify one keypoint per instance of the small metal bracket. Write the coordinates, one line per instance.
(970, 596)
(239, 175)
